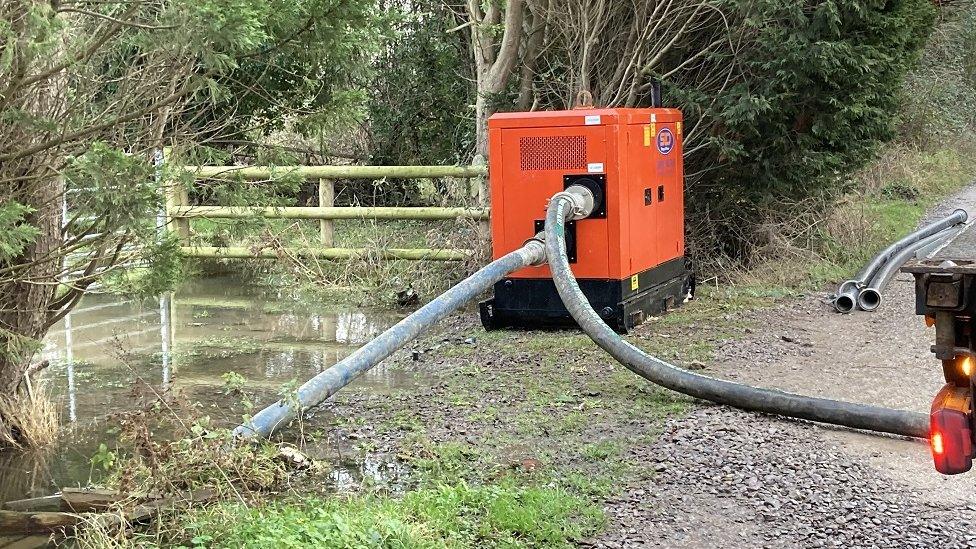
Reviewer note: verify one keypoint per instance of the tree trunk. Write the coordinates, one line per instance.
(481, 114)
(25, 302)
(494, 62)
(28, 286)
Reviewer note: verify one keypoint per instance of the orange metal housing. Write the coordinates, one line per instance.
(629, 256)
(639, 152)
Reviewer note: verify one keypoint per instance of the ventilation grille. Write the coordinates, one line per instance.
(564, 152)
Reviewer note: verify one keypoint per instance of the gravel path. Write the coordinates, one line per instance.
(731, 479)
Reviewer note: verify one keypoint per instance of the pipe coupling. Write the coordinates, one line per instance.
(534, 250)
(581, 202)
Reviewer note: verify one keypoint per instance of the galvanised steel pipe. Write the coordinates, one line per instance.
(869, 298)
(327, 383)
(858, 416)
(847, 293)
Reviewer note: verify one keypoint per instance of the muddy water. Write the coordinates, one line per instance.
(111, 356)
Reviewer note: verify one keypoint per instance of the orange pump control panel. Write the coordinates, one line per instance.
(629, 254)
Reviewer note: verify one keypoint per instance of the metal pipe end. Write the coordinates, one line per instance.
(848, 286)
(965, 214)
(869, 299)
(581, 202)
(844, 303)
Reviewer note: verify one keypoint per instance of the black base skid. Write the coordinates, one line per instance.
(534, 302)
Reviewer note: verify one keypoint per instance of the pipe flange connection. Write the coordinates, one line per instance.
(535, 249)
(581, 202)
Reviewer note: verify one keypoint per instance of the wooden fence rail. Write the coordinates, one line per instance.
(338, 172)
(179, 211)
(235, 252)
(311, 212)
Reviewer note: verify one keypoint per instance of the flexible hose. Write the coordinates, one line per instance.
(848, 292)
(327, 383)
(858, 416)
(870, 298)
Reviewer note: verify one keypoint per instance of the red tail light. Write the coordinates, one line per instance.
(951, 435)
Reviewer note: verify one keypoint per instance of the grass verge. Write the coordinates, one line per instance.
(887, 200)
(505, 514)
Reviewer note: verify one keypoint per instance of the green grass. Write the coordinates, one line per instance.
(509, 513)
(600, 451)
(887, 201)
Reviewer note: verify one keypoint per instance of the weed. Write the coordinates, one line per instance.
(505, 514)
(29, 419)
(234, 382)
(104, 458)
(225, 347)
(601, 451)
(203, 458)
(445, 462)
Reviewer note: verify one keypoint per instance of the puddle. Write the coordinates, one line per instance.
(110, 356)
(374, 471)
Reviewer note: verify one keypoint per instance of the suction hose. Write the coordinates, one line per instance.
(858, 416)
(869, 298)
(327, 383)
(848, 292)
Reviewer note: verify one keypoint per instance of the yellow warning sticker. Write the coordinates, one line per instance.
(647, 136)
(634, 282)
(677, 127)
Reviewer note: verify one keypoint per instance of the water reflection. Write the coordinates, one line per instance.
(189, 339)
(111, 355)
(165, 335)
(375, 471)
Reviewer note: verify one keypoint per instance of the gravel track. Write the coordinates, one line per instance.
(732, 479)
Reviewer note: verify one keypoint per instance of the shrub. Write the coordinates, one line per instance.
(940, 93)
(816, 94)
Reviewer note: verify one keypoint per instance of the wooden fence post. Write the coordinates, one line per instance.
(176, 195)
(326, 200)
(479, 184)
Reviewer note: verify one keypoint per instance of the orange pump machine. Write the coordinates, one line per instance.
(629, 255)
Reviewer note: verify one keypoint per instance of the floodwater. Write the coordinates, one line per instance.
(111, 356)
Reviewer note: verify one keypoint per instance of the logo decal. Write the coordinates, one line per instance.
(665, 141)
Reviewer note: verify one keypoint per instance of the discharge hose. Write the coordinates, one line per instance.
(857, 416)
(327, 383)
(848, 292)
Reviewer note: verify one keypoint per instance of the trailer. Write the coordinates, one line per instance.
(945, 294)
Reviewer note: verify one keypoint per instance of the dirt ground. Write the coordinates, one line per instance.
(670, 472)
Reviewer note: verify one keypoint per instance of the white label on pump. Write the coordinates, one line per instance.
(653, 118)
(595, 167)
(592, 120)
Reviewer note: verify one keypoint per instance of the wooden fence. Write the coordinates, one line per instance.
(179, 211)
